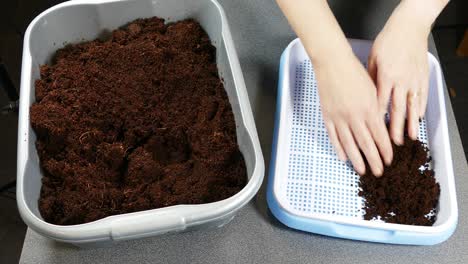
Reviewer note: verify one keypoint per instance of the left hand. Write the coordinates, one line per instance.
(398, 64)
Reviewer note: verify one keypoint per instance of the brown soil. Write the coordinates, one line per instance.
(136, 122)
(403, 189)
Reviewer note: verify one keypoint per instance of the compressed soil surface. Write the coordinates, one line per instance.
(407, 192)
(135, 122)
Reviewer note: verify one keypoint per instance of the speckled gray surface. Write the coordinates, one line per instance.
(261, 33)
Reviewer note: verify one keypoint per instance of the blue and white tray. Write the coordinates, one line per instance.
(312, 190)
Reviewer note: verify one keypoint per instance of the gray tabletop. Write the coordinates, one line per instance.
(261, 33)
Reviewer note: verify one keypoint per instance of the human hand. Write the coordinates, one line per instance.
(349, 105)
(348, 95)
(398, 64)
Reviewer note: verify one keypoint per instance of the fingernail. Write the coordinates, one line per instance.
(341, 157)
(415, 134)
(388, 161)
(398, 140)
(363, 171)
(379, 172)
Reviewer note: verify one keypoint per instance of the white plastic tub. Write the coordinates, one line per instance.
(80, 20)
(310, 189)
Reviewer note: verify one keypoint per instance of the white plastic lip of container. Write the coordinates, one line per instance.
(311, 190)
(80, 20)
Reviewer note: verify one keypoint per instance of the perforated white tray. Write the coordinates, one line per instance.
(312, 190)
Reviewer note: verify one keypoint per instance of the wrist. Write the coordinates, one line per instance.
(421, 13)
(332, 54)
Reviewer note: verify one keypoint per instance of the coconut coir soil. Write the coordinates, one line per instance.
(404, 194)
(135, 122)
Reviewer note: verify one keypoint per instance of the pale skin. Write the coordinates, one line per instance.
(353, 99)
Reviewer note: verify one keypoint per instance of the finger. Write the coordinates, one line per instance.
(397, 118)
(334, 140)
(379, 132)
(423, 95)
(412, 113)
(349, 145)
(384, 90)
(367, 145)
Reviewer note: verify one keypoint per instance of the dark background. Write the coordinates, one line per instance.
(15, 16)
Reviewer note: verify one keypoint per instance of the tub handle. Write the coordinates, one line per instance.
(138, 226)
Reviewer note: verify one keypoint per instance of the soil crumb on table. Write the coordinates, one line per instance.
(406, 193)
(136, 122)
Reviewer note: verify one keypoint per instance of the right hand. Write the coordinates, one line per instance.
(350, 110)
